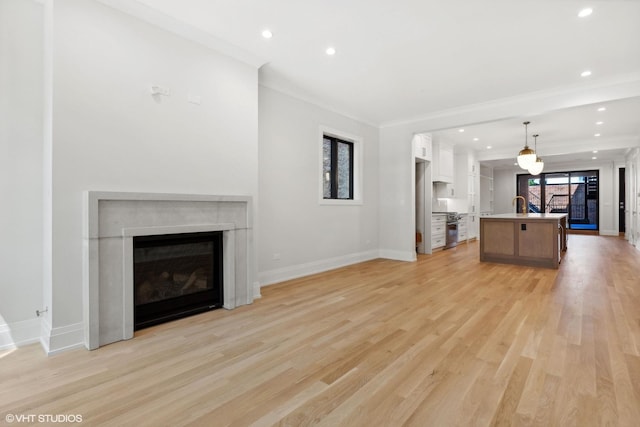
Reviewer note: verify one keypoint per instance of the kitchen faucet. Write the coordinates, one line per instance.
(524, 202)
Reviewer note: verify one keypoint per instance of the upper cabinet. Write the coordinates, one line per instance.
(445, 190)
(443, 170)
(422, 147)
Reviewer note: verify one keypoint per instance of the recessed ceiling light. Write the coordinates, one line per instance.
(460, 130)
(596, 134)
(267, 34)
(488, 147)
(585, 12)
(585, 73)
(476, 139)
(602, 109)
(594, 151)
(599, 123)
(331, 51)
(594, 158)
(515, 164)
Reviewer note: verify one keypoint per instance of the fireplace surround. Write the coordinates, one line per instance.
(114, 219)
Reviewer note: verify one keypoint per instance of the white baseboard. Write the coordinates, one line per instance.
(408, 256)
(57, 340)
(256, 290)
(609, 233)
(17, 334)
(293, 272)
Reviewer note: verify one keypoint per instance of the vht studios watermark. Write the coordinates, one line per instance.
(43, 418)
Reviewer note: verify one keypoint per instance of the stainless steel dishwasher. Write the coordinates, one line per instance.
(452, 230)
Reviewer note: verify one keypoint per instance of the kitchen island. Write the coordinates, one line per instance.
(531, 239)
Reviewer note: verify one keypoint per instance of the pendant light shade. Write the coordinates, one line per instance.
(526, 156)
(538, 165)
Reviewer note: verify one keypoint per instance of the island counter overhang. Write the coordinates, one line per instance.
(536, 240)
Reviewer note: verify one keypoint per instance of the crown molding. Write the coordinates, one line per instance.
(180, 28)
(315, 102)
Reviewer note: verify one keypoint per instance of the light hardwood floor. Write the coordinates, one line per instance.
(443, 341)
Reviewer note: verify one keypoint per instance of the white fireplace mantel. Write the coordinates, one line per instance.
(113, 219)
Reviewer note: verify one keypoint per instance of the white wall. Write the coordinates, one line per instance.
(397, 193)
(608, 198)
(110, 134)
(21, 83)
(297, 234)
(504, 190)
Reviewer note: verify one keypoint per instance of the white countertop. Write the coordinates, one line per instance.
(527, 216)
(447, 213)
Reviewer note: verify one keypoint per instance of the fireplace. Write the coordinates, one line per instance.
(176, 275)
(114, 220)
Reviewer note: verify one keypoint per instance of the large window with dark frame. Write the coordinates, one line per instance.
(337, 168)
(574, 193)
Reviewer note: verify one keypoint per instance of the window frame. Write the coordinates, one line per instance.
(543, 184)
(356, 166)
(334, 173)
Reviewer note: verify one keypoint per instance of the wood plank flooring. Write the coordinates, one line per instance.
(445, 341)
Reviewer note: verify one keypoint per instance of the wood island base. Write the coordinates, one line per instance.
(536, 240)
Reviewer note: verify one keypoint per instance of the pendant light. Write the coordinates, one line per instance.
(526, 156)
(538, 165)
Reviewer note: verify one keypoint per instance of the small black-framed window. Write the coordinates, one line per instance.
(337, 168)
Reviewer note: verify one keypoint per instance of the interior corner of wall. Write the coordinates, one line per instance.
(407, 256)
(45, 334)
(256, 290)
(58, 340)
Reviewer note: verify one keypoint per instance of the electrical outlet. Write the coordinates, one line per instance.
(276, 256)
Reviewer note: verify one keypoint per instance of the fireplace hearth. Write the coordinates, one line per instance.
(176, 275)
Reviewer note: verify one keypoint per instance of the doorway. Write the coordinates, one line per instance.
(423, 194)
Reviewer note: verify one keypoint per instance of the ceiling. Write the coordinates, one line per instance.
(402, 60)
(565, 136)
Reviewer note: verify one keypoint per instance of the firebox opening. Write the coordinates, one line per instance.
(176, 275)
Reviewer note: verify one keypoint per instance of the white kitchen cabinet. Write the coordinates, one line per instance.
(443, 168)
(422, 146)
(463, 231)
(486, 190)
(473, 199)
(445, 190)
(438, 230)
(465, 188)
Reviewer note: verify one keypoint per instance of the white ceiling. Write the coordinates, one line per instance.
(402, 60)
(565, 136)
